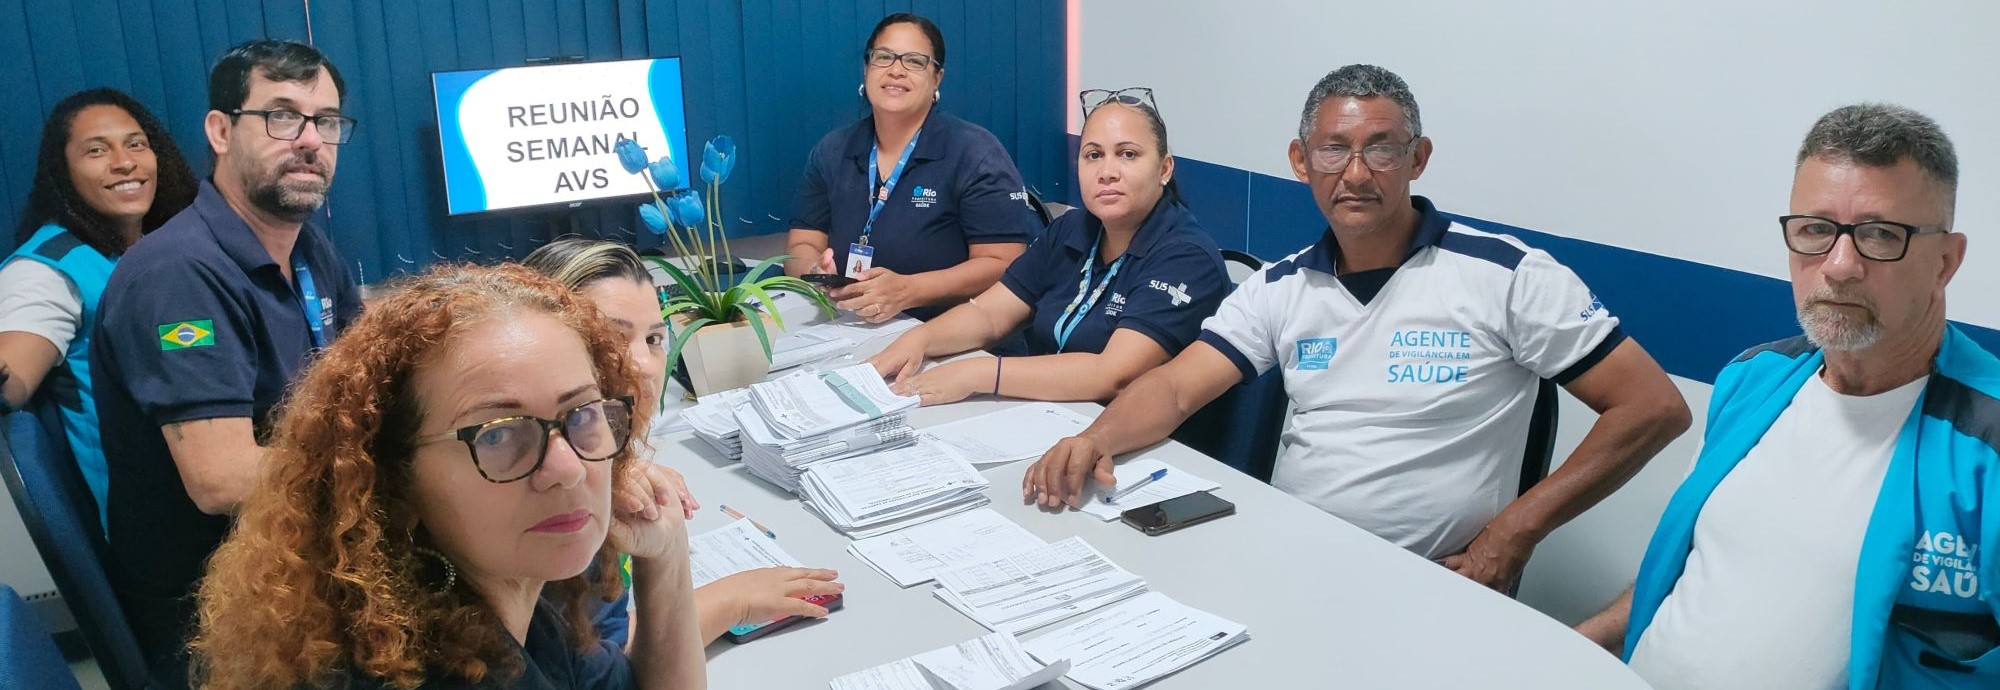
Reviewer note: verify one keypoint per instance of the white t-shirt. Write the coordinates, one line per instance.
(36, 298)
(1410, 410)
(1767, 599)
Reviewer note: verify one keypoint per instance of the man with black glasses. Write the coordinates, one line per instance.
(1834, 532)
(207, 322)
(1411, 347)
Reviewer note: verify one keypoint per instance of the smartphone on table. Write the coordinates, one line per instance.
(1177, 513)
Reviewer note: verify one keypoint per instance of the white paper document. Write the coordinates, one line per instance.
(1037, 587)
(881, 492)
(916, 555)
(1137, 641)
(732, 549)
(803, 404)
(1176, 484)
(713, 420)
(807, 345)
(854, 328)
(1021, 432)
(994, 662)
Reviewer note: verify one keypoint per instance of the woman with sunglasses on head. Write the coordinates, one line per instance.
(107, 174)
(447, 491)
(612, 277)
(1112, 290)
(921, 209)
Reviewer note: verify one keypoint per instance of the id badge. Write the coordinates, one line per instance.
(860, 258)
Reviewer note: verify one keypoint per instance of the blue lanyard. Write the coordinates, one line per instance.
(881, 197)
(309, 298)
(1079, 307)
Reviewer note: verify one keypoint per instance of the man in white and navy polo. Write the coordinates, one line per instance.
(1410, 347)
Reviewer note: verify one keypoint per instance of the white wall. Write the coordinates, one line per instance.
(1666, 128)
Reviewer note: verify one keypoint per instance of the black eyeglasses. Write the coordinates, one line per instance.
(287, 125)
(1878, 240)
(1332, 159)
(884, 57)
(511, 448)
(1094, 98)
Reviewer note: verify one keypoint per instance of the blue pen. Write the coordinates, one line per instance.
(1121, 493)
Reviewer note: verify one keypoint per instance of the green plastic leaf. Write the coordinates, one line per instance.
(764, 298)
(681, 340)
(757, 324)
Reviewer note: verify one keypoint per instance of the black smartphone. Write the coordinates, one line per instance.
(1175, 513)
(827, 279)
(745, 633)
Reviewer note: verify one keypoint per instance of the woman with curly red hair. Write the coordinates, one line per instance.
(417, 524)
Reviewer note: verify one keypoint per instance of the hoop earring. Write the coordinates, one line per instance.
(861, 90)
(937, 96)
(450, 571)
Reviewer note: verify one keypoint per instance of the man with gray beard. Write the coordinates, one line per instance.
(206, 322)
(1834, 531)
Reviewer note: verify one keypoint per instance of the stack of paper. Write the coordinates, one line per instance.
(783, 461)
(853, 328)
(878, 493)
(713, 419)
(804, 418)
(808, 345)
(1136, 642)
(732, 549)
(1037, 587)
(916, 555)
(1021, 432)
(1175, 485)
(807, 404)
(993, 662)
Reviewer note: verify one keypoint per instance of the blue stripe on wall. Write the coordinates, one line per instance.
(774, 75)
(1694, 318)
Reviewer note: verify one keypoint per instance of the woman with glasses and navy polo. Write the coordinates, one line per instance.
(1109, 292)
(921, 209)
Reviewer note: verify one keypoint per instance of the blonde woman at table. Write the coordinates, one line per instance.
(448, 488)
(611, 276)
(1109, 292)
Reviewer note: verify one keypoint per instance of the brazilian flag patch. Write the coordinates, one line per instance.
(186, 334)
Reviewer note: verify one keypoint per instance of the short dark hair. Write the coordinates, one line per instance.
(1880, 135)
(927, 26)
(52, 196)
(1361, 81)
(229, 82)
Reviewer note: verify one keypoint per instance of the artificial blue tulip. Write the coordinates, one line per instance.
(665, 174)
(630, 155)
(655, 220)
(717, 159)
(686, 209)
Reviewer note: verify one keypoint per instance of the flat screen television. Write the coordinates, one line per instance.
(542, 135)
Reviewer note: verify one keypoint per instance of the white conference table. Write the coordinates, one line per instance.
(1327, 604)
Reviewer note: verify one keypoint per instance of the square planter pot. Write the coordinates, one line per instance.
(724, 356)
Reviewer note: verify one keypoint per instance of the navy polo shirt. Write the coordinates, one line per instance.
(959, 189)
(198, 323)
(1172, 278)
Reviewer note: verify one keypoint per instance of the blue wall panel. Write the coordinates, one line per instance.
(774, 74)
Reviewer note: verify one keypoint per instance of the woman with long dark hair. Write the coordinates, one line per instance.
(107, 174)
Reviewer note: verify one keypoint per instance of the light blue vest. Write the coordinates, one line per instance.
(89, 271)
(1924, 589)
